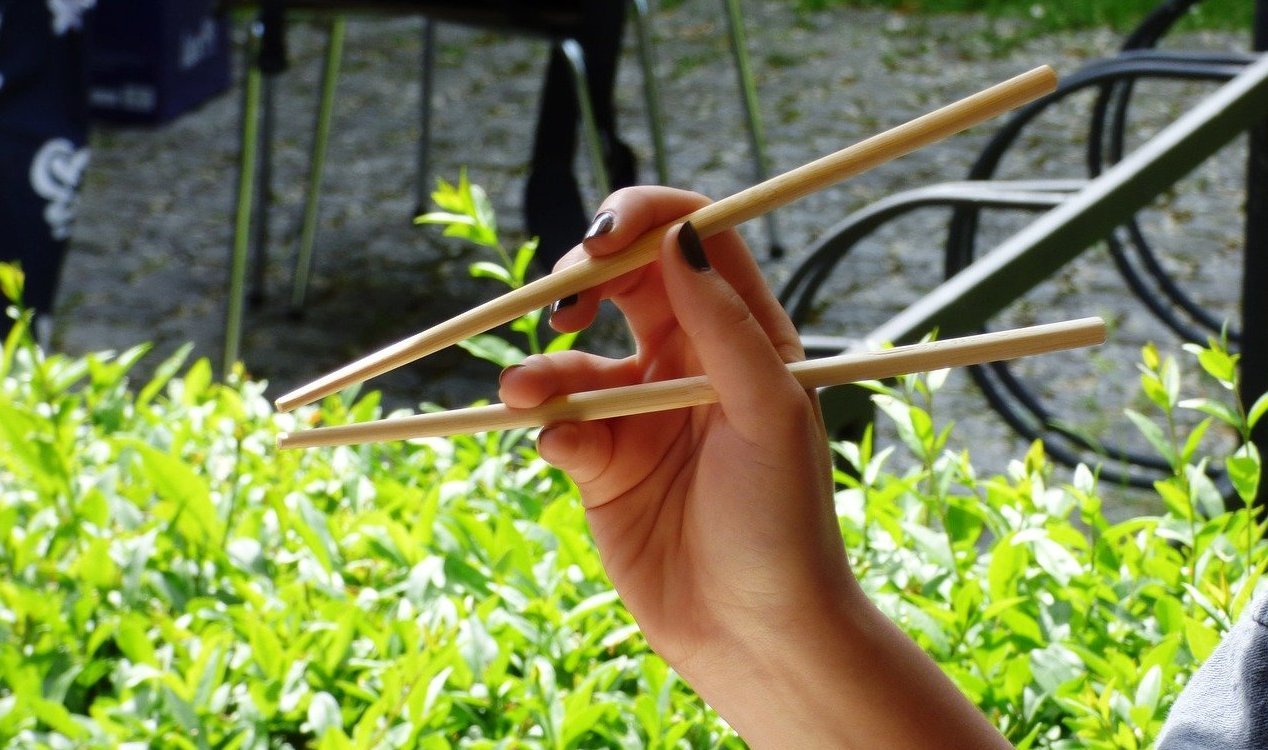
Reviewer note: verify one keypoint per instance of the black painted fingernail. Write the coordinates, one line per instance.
(601, 225)
(502, 375)
(568, 301)
(692, 248)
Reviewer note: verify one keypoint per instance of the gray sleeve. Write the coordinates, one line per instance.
(1225, 705)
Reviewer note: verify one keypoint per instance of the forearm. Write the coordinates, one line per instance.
(846, 678)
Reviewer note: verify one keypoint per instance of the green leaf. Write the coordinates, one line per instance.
(445, 218)
(903, 416)
(180, 709)
(1149, 689)
(1257, 411)
(187, 495)
(313, 527)
(1056, 560)
(1170, 614)
(1202, 638)
(1084, 480)
(162, 374)
(18, 336)
(493, 349)
(1194, 441)
(1245, 471)
(11, 282)
(26, 451)
(446, 196)
(1217, 363)
(266, 650)
(1174, 497)
(1170, 375)
(581, 714)
(197, 381)
(934, 546)
(1149, 355)
(1153, 433)
(1202, 491)
(562, 342)
(600, 601)
(935, 379)
(1054, 666)
(523, 258)
(527, 324)
(133, 640)
(96, 568)
(1155, 391)
(324, 714)
(1008, 562)
(1022, 627)
(483, 211)
(1217, 409)
(485, 270)
(58, 718)
(922, 426)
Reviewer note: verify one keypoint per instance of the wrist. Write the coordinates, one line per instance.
(838, 676)
(775, 678)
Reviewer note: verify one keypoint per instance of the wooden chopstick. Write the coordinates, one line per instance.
(695, 391)
(709, 220)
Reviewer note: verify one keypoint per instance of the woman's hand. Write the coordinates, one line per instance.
(709, 516)
(716, 524)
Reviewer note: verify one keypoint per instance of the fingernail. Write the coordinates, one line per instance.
(602, 224)
(502, 375)
(692, 249)
(568, 301)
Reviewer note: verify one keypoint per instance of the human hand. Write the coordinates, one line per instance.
(716, 523)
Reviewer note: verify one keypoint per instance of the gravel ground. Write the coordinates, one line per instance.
(150, 252)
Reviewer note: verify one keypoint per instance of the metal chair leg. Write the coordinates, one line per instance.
(317, 161)
(247, 162)
(263, 189)
(748, 92)
(576, 60)
(1254, 344)
(422, 176)
(651, 96)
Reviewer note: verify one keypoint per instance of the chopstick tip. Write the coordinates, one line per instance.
(289, 401)
(1098, 325)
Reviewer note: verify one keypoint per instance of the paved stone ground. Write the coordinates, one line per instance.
(150, 253)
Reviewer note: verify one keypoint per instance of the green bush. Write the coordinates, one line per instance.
(1068, 630)
(168, 579)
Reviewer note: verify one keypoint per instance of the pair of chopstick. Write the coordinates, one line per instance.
(709, 220)
(696, 391)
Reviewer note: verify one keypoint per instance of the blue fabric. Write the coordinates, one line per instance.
(43, 131)
(1225, 705)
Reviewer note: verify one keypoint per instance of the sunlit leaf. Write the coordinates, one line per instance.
(1217, 363)
(1257, 411)
(1217, 409)
(1153, 433)
(1202, 638)
(493, 349)
(1245, 471)
(324, 714)
(11, 282)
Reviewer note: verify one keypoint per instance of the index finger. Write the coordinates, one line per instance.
(625, 217)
